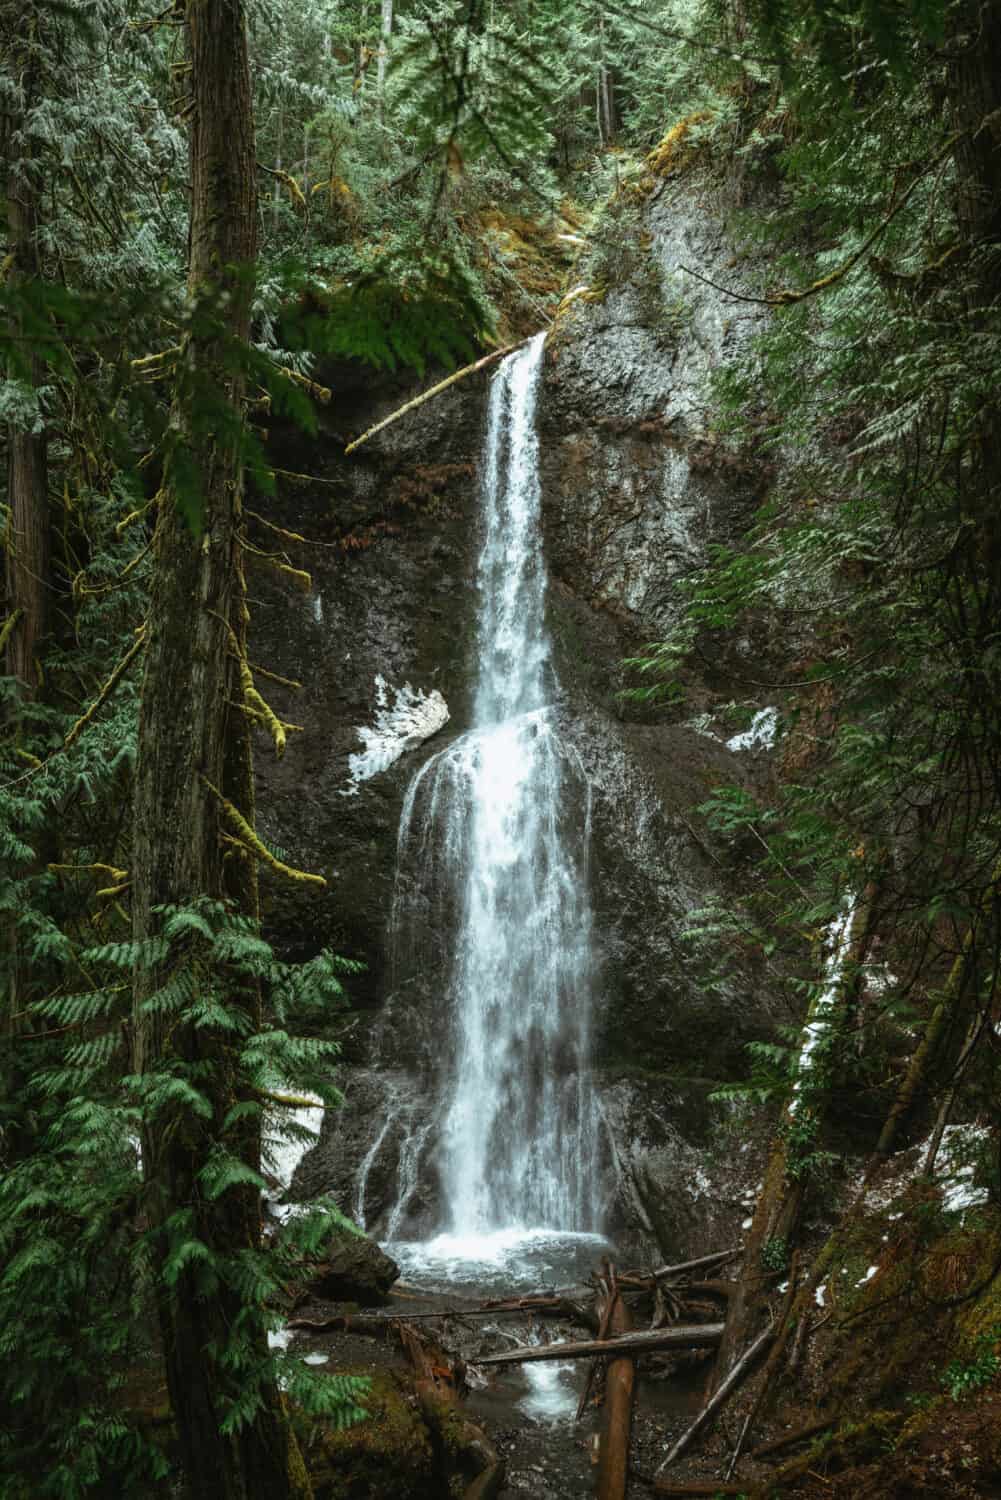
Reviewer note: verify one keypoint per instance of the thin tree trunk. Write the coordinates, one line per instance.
(27, 545)
(27, 539)
(382, 63)
(189, 736)
(777, 1210)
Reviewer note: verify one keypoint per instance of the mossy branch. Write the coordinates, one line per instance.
(784, 298)
(288, 682)
(789, 296)
(294, 190)
(318, 392)
(156, 366)
(299, 576)
(260, 708)
(435, 390)
(137, 515)
(108, 688)
(286, 536)
(8, 626)
(111, 871)
(246, 836)
(296, 478)
(253, 703)
(80, 589)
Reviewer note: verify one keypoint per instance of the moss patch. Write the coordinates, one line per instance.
(676, 150)
(390, 1453)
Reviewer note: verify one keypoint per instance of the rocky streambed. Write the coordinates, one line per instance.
(527, 1412)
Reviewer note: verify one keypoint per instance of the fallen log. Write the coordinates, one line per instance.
(716, 1259)
(790, 1439)
(682, 1336)
(488, 1484)
(435, 390)
(440, 1380)
(697, 1487)
(708, 1288)
(771, 1364)
(723, 1393)
(370, 1325)
(602, 1333)
(376, 1323)
(620, 1378)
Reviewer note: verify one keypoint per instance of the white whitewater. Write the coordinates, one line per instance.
(500, 845)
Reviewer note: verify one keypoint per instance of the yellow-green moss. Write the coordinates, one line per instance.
(977, 1319)
(676, 149)
(388, 1453)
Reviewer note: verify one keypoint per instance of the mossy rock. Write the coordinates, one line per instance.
(677, 148)
(980, 1318)
(390, 1453)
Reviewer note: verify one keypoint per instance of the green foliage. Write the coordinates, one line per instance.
(402, 306)
(874, 546)
(775, 1254)
(962, 1378)
(71, 1208)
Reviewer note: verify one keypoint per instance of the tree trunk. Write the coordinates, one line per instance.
(605, 110)
(975, 92)
(27, 537)
(27, 544)
(386, 32)
(620, 1378)
(190, 735)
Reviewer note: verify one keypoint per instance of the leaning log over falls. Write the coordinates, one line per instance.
(682, 1336)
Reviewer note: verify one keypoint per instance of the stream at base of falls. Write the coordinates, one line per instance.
(502, 1263)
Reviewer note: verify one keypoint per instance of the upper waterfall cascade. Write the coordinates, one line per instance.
(490, 829)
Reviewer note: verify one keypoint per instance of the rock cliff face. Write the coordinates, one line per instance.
(634, 492)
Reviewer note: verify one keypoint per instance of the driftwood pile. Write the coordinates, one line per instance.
(628, 1314)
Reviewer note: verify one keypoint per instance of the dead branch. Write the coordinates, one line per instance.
(435, 390)
(604, 1323)
(696, 1487)
(724, 1392)
(108, 688)
(791, 1438)
(772, 1363)
(716, 1259)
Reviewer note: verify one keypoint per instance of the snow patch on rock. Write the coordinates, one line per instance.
(287, 1133)
(402, 724)
(761, 734)
(956, 1167)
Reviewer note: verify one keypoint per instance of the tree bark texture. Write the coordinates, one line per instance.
(620, 1378)
(190, 734)
(27, 541)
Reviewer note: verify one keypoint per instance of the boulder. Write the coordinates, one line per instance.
(352, 1269)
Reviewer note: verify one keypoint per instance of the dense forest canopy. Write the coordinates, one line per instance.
(209, 205)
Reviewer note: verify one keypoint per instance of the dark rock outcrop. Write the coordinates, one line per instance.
(352, 1269)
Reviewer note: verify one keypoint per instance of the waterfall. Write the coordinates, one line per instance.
(501, 846)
